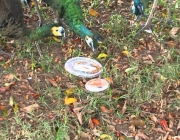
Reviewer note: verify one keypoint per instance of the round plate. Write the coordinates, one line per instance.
(83, 67)
(96, 85)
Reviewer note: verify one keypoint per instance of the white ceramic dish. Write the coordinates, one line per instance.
(83, 67)
(96, 85)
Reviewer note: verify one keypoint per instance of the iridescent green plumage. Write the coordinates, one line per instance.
(12, 25)
(139, 7)
(71, 11)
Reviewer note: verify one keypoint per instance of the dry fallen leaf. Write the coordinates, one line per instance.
(4, 89)
(159, 130)
(84, 135)
(171, 43)
(69, 91)
(91, 124)
(120, 2)
(166, 136)
(30, 108)
(104, 109)
(102, 55)
(151, 58)
(95, 121)
(132, 128)
(78, 113)
(109, 80)
(68, 101)
(15, 107)
(35, 95)
(70, 85)
(105, 136)
(9, 76)
(96, 132)
(164, 124)
(178, 126)
(124, 108)
(2, 107)
(153, 118)
(126, 53)
(142, 135)
(124, 128)
(53, 82)
(130, 70)
(138, 122)
(160, 76)
(76, 40)
(171, 117)
(174, 31)
(11, 101)
(92, 12)
(176, 138)
(171, 124)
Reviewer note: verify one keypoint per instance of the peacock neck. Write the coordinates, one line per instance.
(82, 31)
(41, 32)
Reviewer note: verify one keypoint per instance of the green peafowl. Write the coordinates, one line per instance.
(71, 11)
(147, 27)
(138, 9)
(12, 25)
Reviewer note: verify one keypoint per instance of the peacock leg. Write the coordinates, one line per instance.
(38, 48)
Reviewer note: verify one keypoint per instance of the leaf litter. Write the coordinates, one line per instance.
(114, 113)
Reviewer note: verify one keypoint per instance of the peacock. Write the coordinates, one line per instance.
(138, 9)
(12, 25)
(148, 25)
(71, 11)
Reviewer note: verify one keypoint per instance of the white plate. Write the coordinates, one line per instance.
(96, 85)
(83, 67)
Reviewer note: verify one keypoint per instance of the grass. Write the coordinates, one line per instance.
(150, 82)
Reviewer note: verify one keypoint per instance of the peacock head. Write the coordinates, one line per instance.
(58, 31)
(92, 43)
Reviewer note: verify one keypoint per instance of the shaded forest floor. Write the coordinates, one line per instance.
(143, 71)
